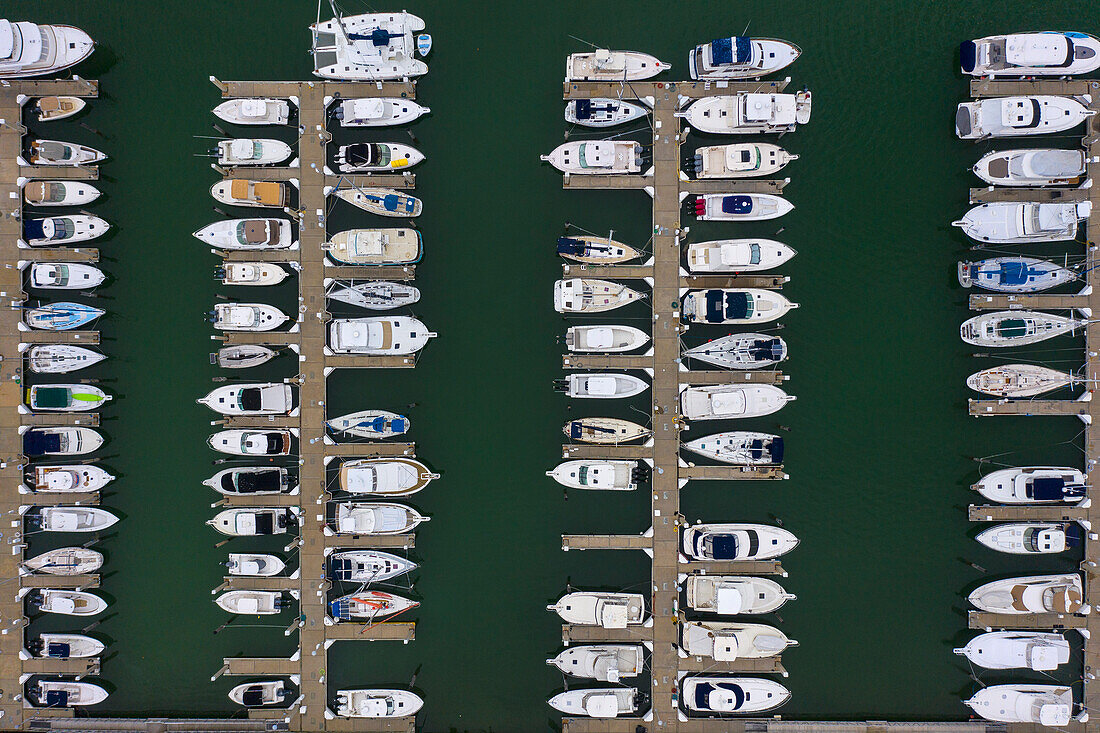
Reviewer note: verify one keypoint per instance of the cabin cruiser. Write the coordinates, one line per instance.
(604, 339)
(602, 112)
(64, 694)
(373, 295)
(63, 230)
(723, 641)
(608, 702)
(253, 521)
(1047, 53)
(65, 646)
(1000, 329)
(735, 306)
(378, 335)
(251, 481)
(56, 152)
(370, 47)
(740, 160)
(261, 398)
(246, 192)
(367, 566)
(247, 234)
(730, 595)
(1016, 116)
(605, 65)
(254, 111)
(66, 397)
(60, 441)
(65, 561)
(376, 157)
(1033, 485)
(375, 247)
(740, 206)
(599, 474)
(1032, 594)
(254, 565)
(603, 385)
(597, 157)
(1008, 222)
(585, 295)
(242, 356)
(370, 424)
(251, 151)
(376, 518)
(749, 113)
(1031, 538)
(64, 276)
(739, 448)
(596, 250)
(1032, 167)
(384, 476)
(606, 610)
(378, 112)
(67, 602)
(719, 695)
(1019, 380)
(70, 519)
(1048, 705)
(1034, 650)
(741, 57)
(377, 703)
(737, 542)
(604, 662)
(76, 478)
(604, 430)
(63, 316)
(29, 49)
(1014, 274)
(737, 255)
(54, 108)
(381, 201)
(246, 317)
(258, 694)
(252, 442)
(734, 401)
(369, 605)
(61, 358)
(59, 193)
(741, 351)
(250, 274)
(252, 602)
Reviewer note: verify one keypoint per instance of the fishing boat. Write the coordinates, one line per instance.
(730, 595)
(605, 65)
(1038, 114)
(63, 230)
(1001, 329)
(384, 477)
(604, 430)
(740, 160)
(1032, 167)
(1031, 538)
(1019, 380)
(64, 276)
(246, 192)
(586, 295)
(59, 193)
(375, 247)
(1050, 706)
(377, 703)
(369, 606)
(64, 694)
(1007, 222)
(57, 108)
(34, 49)
(597, 157)
(1033, 485)
(55, 152)
(251, 151)
(242, 356)
(739, 448)
(61, 358)
(254, 111)
(65, 561)
(604, 702)
(253, 521)
(599, 475)
(596, 250)
(737, 255)
(260, 398)
(735, 306)
(252, 442)
(60, 441)
(741, 57)
(378, 335)
(602, 112)
(247, 234)
(70, 519)
(740, 206)
(368, 566)
(250, 274)
(605, 662)
(729, 402)
(373, 295)
(381, 201)
(259, 694)
(1034, 650)
(1047, 53)
(251, 481)
(66, 397)
(376, 518)
(715, 695)
(607, 610)
(75, 478)
(1030, 594)
(65, 646)
(370, 424)
(67, 602)
(246, 317)
(378, 112)
(370, 47)
(741, 351)
(1014, 274)
(252, 602)
(601, 386)
(736, 542)
(604, 339)
(749, 113)
(723, 641)
(254, 565)
(376, 157)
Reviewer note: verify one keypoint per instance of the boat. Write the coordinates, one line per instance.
(378, 112)
(70, 519)
(604, 339)
(728, 402)
(381, 201)
(1033, 485)
(596, 250)
(59, 193)
(247, 234)
(65, 561)
(260, 398)
(254, 111)
(1031, 594)
(252, 442)
(1048, 705)
(730, 595)
(246, 192)
(62, 316)
(370, 424)
(375, 295)
(368, 566)
(741, 57)
(606, 65)
(67, 602)
(378, 335)
(736, 542)
(741, 351)
(1038, 114)
(606, 610)
(749, 113)
(253, 521)
(1046, 53)
(60, 441)
(601, 386)
(64, 694)
(384, 477)
(66, 397)
(246, 317)
(76, 478)
(604, 662)
(254, 565)
(376, 518)
(252, 274)
(30, 49)
(1019, 380)
(735, 306)
(606, 702)
(1000, 329)
(740, 206)
(376, 157)
(737, 255)
(377, 703)
(251, 481)
(251, 151)
(597, 157)
(723, 641)
(1032, 167)
(1007, 222)
(63, 230)
(252, 602)
(716, 695)
(1034, 650)
(606, 430)
(1014, 274)
(64, 276)
(57, 108)
(242, 356)
(56, 152)
(740, 160)
(375, 247)
(599, 475)
(259, 694)
(369, 606)
(65, 646)
(740, 448)
(61, 358)
(1031, 538)
(370, 47)
(586, 295)
(602, 112)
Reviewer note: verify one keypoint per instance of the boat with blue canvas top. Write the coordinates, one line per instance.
(715, 695)
(65, 441)
(735, 306)
(739, 448)
(601, 112)
(367, 566)
(740, 57)
(740, 206)
(1033, 485)
(381, 201)
(1014, 274)
(736, 542)
(62, 316)
(370, 424)
(741, 351)
(63, 229)
(1002, 329)
(595, 250)
(370, 47)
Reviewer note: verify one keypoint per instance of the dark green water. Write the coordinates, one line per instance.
(880, 442)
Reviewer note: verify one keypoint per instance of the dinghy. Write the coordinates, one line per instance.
(376, 518)
(260, 398)
(1019, 380)
(604, 339)
(605, 662)
(247, 234)
(65, 561)
(730, 595)
(606, 610)
(250, 274)
(246, 317)
(63, 316)
(1050, 706)
(599, 475)
(370, 424)
(605, 65)
(1014, 274)
(737, 255)
(258, 694)
(253, 521)
(597, 157)
(76, 478)
(726, 642)
(376, 157)
(70, 519)
(741, 351)
(735, 306)
(1033, 485)
(1016, 116)
(370, 47)
(246, 192)
(1001, 329)
(374, 295)
(58, 108)
(251, 481)
(254, 111)
(736, 542)
(384, 477)
(378, 335)
(604, 430)
(254, 565)
(375, 247)
(63, 230)
(64, 694)
(596, 250)
(741, 57)
(252, 442)
(1030, 594)
(61, 358)
(377, 703)
(66, 646)
(749, 113)
(34, 49)
(739, 448)
(381, 201)
(66, 397)
(252, 602)
(607, 702)
(368, 566)
(1007, 222)
(740, 160)
(715, 695)
(369, 606)
(1031, 538)
(1034, 650)
(242, 356)
(60, 441)
(585, 295)
(251, 151)
(729, 402)
(67, 602)
(378, 112)
(740, 206)
(64, 276)
(1047, 53)
(1032, 167)
(601, 386)
(59, 193)
(55, 152)
(602, 112)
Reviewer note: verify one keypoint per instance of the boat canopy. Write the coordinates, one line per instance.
(250, 482)
(600, 338)
(614, 615)
(729, 403)
(602, 705)
(253, 696)
(1012, 328)
(1055, 163)
(721, 306)
(598, 154)
(1039, 49)
(1053, 489)
(375, 154)
(728, 599)
(1014, 273)
(724, 696)
(57, 698)
(253, 107)
(38, 442)
(732, 50)
(736, 204)
(52, 397)
(368, 109)
(571, 246)
(58, 649)
(245, 149)
(767, 350)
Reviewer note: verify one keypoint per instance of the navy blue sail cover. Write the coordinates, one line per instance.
(571, 246)
(776, 450)
(736, 204)
(1014, 273)
(583, 109)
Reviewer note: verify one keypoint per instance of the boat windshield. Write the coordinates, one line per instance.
(582, 475)
(1032, 535)
(53, 192)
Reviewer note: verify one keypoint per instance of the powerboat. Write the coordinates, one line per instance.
(252, 442)
(715, 695)
(1032, 167)
(1014, 274)
(63, 316)
(254, 565)
(60, 441)
(30, 49)
(65, 561)
(370, 424)
(604, 702)
(741, 351)
(70, 519)
(376, 157)
(376, 518)
(254, 111)
(604, 339)
(1033, 485)
(735, 306)
(75, 478)
(1048, 705)
(63, 230)
(1031, 538)
(739, 448)
(375, 247)
(604, 662)
(67, 602)
(370, 47)
(723, 641)
(64, 276)
(1059, 594)
(381, 201)
(65, 646)
(602, 112)
(59, 193)
(260, 398)
(246, 192)
(999, 329)
(1019, 380)
(1038, 114)
(377, 703)
(730, 595)
(252, 602)
(597, 157)
(253, 521)
(247, 234)
(375, 295)
(585, 295)
(259, 694)
(64, 694)
(601, 386)
(58, 108)
(596, 250)
(737, 255)
(741, 57)
(1007, 222)
(734, 401)
(378, 112)
(599, 475)
(384, 477)
(56, 152)
(604, 430)
(246, 317)
(737, 542)
(251, 151)
(740, 160)
(1034, 650)
(242, 356)
(66, 397)
(1046, 53)
(61, 358)
(606, 610)
(606, 65)
(251, 274)
(740, 206)
(378, 335)
(251, 481)
(749, 113)
(369, 606)
(368, 566)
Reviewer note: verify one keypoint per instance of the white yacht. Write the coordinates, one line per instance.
(253, 565)
(595, 250)
(61, 358)
(68, 479)
(601, 386)
(376, 518)
(370, 47)
(246, 317)
(63, 230)
(732, 401)
(1045, 53)
(368, 566)
(606, 65)
(242, 356)
(714, 695)
(68, 602)
(609, 702)
(740, 160)
(737, 306)
(64, 276)
(730, 595)
(63, 441)
(247, 234)
(377, 703)
(736, 542)
(70, 519)
(247, 192)
(375, 295)
(378, 112)
(604, 430)
(1033, 485)
(741, 57)
(740, 206)
(384, 477)
(741, 351)
(1034, 650)
(250, 274)
(252, 602)
(598, 474)
(999, 329)
(64, 694)
(259, 694)
(29, 49)
(66, 646)
(1059, 594)
(260, 398)
(607, 610)
(604, 662)
(252, 442)
(1032, 167)
(370, 424)
(64, 561)
(1050, 706)
(1019, 380)
(1008, 222)
(1014, 274)
(1031, 538)
(585, 295)
(604, 339)
(602, 112)
(737, 255)
(378, 335)
(739, 448)
(251, 481)
(749, 113)
(597, 157)
(66, 397)
(59, 193)
(253, 521)
(725, 641)
(56, 152)
(375, 247)
(1018, 116)
(252, 151)
(377, 157)
(254, 111)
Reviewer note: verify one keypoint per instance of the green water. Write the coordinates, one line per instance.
(880, 443)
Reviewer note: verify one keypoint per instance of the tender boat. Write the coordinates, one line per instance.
(1016, 116)
(63, 230)
(736, 542)
(376, 518)
(252, 602)
(58, 108)
(66, 646)
(368, 566)
(55, 152)
(377, 703)
(605, 430)
(1014, 274)
(65, 561)
(735, 306)
(246, 317)
(370, 47)
(378, 335)
(596, 250)
(1048, 705)
(741, 351)
(254, 111)
(608, 702)
(251, 481)
(378, 112)
(251, 274)
(375, 247)
(64, 276)
(1031, 538)
(740, 206)
(737, 255)
(369, 605)
(585, 295)
(76, 478)
(1033, 485)
(604, 339)
(597, 157)
(260, 398)
(254, 565)
(30, 49)
(59, 193)
(255, 234)
(601, 386)
(384, 477)
(740, 448)
(242, 356)
(370, 424)
(1001, 329)
(599, 475)
(67, 602)
(740, 160)
(66, 397)
(1046, 53)
(381, 201)
(64, 694)
(602, 112)
(605, 65)
(252, 442)
(63, 316)
(1019, 380)
(728, 402)
(607, 610)
(259, 694)
(1031, 594)
(374, 295)
(61, 358)
(1034, 650)
(246, 192)
(252, 151)
(1009, 222)
(70, 519)
(1032, 167)
(376, 157)
(726, 642)
(730, 595)
(253, 521)
(749, 113)
(741, 57)
(718, 695)
(60, 441)
(605, 662)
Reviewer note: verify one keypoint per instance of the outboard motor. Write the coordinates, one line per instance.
(219, 272)
(640, 473)
(561, 385)
(212, 316)
(698, 164)
(645, 155)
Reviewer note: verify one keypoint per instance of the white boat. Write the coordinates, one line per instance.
(601, 386)
(254, 565)
(384, 477)
(604, 430)
(66, 397)
(246, 317)
(999, 329)
(740, 160)
(254, 111)
(735, 306)
(605, 662)
(250, 274)
(252, 151)
(63, 230)
(246, 192)
(260, 398)
(741, 57)
(66, 646)
(68, 602)
(606, 610)
(248, 234)
(259, 694)
(61, 358)
(595, 250)
(1032, 167)
(59, 193)
(724, 641)
(30, 49)
(602, 112)
(728, 402)
(242, 356)
(730, 595)
(739, 448)
(1045, 53)
(378, 335)
(1050, 706)
(1031, 594)
(741, 351)
(585, 295)
(374, 295)
(599, 475)
(597, 157)
(65, 561)
(64, 694)
(609, 702)
(63, 316)
(251, 481)
(377, 703)
(749, 113)
(1038, 114)
(736, 542)
(378, 112)
(376, 518)
(76, 478)
(252, 602)
(377, 157)
(60, 441)
(715, 695)
(1034, 650)
(56, 152)
(737, 255)
(740, 206)
(70, 519)
(1031, 538)
(253, 521)
(1007, 222)
(368, 566)
(370, 47)
(1033, 485)
(606, 65)
(1019, 380)
(604, 339)
(1014, 274)
(381, 201)
(375, 247)
(370, 424)
(64, 276)
(252, 442)
(369, 606)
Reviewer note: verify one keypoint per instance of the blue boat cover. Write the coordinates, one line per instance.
(744, 49)
(1049, 489)
(583, 109)
(721, 51)
(575, 430)
(968, 55)
(61, 651)
(340, 609)
(378, 37)
(57, 699)
(1074, 535)
(776, 450)
(766, 350)
(723, 547)
(38, 443)
(32, 229)
(391, 201)
(399, 425)
(736, 204)
(737, 305)
(714, 306)
(1014, 273)
(703, 690)
(570, 246)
